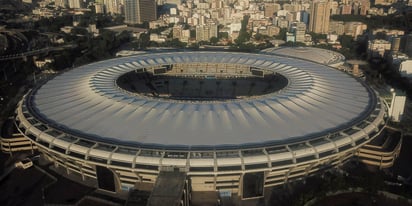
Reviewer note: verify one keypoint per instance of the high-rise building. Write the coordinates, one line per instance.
(113, 6)
(365, 6)
(205, 32)
(346, 9)
(299, 31)
(61, 3)
(75, 4)
(319, 17)
(99, 8)
(355, 28)
(378, 48)
(337, 27)
(334, 7)
(139, 11)
(408, 45)
(304, 17)
(273, 30)
(396, 44)
(269, 10)
(177, 31)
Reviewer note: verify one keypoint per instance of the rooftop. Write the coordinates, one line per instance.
(316, 101)
(321, 56)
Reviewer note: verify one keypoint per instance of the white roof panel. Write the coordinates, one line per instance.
(317, 100)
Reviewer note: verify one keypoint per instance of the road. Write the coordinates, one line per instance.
(34, 52)
(7, 171)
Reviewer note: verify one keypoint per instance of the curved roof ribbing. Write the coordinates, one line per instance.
(317, 101)
(321, 56)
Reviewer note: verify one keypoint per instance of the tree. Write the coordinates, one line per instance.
(259, 37)
(214, 40)
(392, 21)
(53, 24)
(294, 44)
(144, 40)
(282, 34)
(223, 35)
(317, 37)
(380, 35)
(192, 33)
(346, 41)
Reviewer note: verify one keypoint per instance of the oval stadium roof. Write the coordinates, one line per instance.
(318, 55)
(318, 100)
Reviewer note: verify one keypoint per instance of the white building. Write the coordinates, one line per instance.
(378, 48)
(75, 4)
(157, 38)
(397, 106)
(405, 69)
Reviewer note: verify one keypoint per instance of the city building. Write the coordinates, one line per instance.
(364, 7)
(100, 9)
(319, 17)
(75, 4)
(114, 6)
(334, 7)
(205, 32)
(210, 117)
(396, 44)
(177, 32)
(42, 63)
(396, 58)
(273, 30)
(337, 27)
(346, 9)
(61, 3)
(159, 38)
(408, 45)
(290, 37)
(270, 9)
(405, 69)
(134, 31)
(378, 48)
(299, 31)
(355, 29)
(384, 2)
(139, 11)
(397, 105)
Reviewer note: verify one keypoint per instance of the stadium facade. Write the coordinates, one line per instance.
(231, 122)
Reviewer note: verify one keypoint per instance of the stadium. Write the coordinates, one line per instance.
(230, 122)
(318, 55)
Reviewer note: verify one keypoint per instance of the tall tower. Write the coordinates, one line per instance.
(139, 11)
(319, 16)
(408, 45)
(75, 4)
(113, 6)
